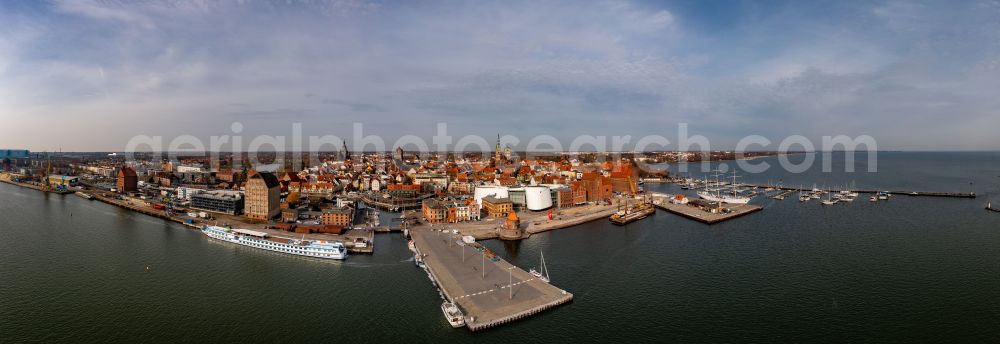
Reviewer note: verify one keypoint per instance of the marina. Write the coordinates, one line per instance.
(898, 192)
(742, 250)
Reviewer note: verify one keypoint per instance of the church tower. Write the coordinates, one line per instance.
(347, 153)
(496, 152)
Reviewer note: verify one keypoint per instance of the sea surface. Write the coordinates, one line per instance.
(904, 270)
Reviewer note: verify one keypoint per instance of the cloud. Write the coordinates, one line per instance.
(900, 71)
(355, 106)
(106, 11)
(289, 114)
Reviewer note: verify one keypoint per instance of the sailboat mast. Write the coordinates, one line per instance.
(545, 269)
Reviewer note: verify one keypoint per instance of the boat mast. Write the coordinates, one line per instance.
(545, 269)
(734, 182)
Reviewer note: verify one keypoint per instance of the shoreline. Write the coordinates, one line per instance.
(347, 238)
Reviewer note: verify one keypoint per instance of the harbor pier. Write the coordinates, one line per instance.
(699, 214)
(860, 191)
(489, 290)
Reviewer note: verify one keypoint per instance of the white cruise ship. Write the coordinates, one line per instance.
(261, 240)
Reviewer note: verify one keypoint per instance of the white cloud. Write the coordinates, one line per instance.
(566, 68)
(103, 11)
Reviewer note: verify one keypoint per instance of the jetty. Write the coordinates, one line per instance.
(897, 192)
(781, 195)
(989, 206)
(703, 211)
(488, 290)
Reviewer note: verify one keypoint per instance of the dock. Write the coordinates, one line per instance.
(37, 187)
(696, 213)
(490, 293)
(781, 195)
(897, 192)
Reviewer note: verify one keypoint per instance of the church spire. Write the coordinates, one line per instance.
(496, 152)
(347, 153)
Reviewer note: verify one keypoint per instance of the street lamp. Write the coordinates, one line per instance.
(510, 282)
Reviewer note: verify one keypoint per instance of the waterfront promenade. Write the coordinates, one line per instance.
(490, 293)
(532, 222)
(348, 238)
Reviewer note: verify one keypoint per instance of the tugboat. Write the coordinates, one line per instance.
(453, 314)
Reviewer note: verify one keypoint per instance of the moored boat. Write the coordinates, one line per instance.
(544, 273)
(631, 214)
(454, 315)
(308, 248)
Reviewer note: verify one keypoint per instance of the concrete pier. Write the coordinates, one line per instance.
(896, 192)
(480, 286)
(695, 213)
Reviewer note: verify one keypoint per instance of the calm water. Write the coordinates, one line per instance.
(906, 270)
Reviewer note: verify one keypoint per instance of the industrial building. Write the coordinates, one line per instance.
(14, 154)
(219, 201)
(263, 196)
(128, 181)
(63, 181)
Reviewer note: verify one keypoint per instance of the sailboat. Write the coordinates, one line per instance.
(733, 198)
(544, 273)
(848, 194)
(829, 201)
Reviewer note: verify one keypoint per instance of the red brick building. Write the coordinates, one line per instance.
(598, 187)
(625, 179)
(128, 181)
(337, 216)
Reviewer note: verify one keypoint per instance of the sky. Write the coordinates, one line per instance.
(91, 75)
